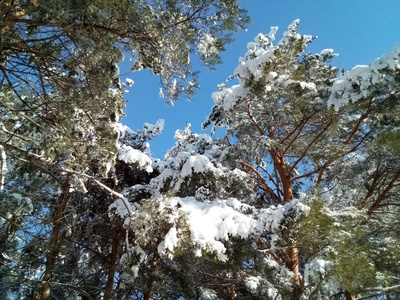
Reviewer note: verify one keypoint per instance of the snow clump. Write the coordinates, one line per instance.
(135, 157)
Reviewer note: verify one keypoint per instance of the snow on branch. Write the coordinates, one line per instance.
(362, 81)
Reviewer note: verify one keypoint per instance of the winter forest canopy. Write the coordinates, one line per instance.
(298, 200)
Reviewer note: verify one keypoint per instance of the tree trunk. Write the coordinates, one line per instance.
(292, 263)
(280, 166)
(233, 292)
(292, 254)
(113, 264)
(44, 291)
(349, 296)
(150, 279)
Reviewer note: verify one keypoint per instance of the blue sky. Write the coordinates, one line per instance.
(359, 30)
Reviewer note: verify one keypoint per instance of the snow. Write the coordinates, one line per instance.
(316, 269)
(207, 45)
(122, 208)
(129, 137)
(169, 243)
(253, 66)
(228, 97)
(196, 164)
(208, 294)
(150, 129)
(308, 85)
(291, 32)
(389, 60)
(252, 283)
(123, 130)
(129, 82)
(132, 146)
(274, 216)
(193, 154)
(3, 167)
(161, 93)
(327, 52)
(343, 90)
(358, 82)
(250, 65)
(209, 223)
(126, 259)
(255, 283)
(212, 222)
(135, 157)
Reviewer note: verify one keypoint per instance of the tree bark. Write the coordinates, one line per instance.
(292, 263)
(349, 296)
(150, 279)
(113, 264)
(292, 253)
(384, 193)
(280, 166)
(44, 290)
(233, 292)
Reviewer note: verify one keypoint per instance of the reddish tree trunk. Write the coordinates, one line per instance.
(280, 166)
(349, 296)
(292, 264)
(292, 254)
(150, 279)
(44, 291)
(112, 265)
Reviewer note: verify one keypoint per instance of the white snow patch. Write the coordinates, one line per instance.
(207, 45)
(358, 82)
(315, 269)
(252, 283)
(169, 243)
(207, 294)
(134, 156)
(275, 216)
(129, 82)
(122, 208)
(196, 164)
(212, 222)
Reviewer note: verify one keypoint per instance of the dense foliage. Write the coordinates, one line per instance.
(298, 201)
(60, 101)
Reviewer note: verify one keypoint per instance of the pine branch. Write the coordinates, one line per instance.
(262, 184)
(43, 161)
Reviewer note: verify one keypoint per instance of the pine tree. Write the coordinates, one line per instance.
(299, 200)
(60, 101)
(291, 140)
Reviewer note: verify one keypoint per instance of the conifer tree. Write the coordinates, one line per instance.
(60, 100)
(298, 201)
(297, 128)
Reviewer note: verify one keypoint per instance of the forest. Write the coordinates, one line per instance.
(299, 199)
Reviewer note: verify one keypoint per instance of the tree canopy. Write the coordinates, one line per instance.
(299, 200)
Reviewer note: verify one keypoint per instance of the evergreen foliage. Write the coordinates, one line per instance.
(60, 100)
(298, 201)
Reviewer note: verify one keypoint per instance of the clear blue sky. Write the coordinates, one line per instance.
(359, 30)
